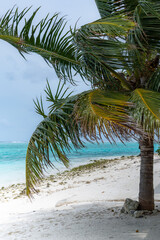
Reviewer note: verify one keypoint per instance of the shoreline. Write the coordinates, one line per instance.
(18, 189)
(12, 170)
(19, 176)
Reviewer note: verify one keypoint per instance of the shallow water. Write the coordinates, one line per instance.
(12, 158)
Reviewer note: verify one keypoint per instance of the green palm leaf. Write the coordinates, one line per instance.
(91, 114)
(102, 113)
(103, 56)
(109, 8)
(119, 25)
(147, 109)
(145, 13)
(154, 81)
(53, 136)
(147, 16)
(47, 38)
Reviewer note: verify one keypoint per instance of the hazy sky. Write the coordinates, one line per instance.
(21, 81)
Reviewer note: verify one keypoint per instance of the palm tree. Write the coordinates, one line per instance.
(119, 55)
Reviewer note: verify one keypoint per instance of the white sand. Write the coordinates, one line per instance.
(80, 205)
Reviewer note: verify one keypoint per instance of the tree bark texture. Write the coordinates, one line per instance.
(146, 190)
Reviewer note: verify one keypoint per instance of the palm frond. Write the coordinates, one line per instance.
(92, 115)
(118, 54)
(119, 25)
(106, 56)
(146, 111)
(146, 34)
(154, 81)
(146, 13)
(48, 38)
(39, 107)
(55, 135)
(61, 96)
(105, 114)
(110, 8)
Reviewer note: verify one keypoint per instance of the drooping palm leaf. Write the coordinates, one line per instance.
(92, 115)
(47, 38)
(154, 81)
(56, 135)
(104, 56)
(101, 113)
(51, 137)
(146, 13)
(60, 100)
(146, 34)
(119, 25)
(105, 39)
(112, 53)
(104, 47)
(111, 7)
(146, 111)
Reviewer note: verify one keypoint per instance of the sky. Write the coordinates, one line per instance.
(22, 81)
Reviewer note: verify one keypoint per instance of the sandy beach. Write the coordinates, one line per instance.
(83, 203)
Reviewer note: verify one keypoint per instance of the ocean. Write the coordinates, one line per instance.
(12, 158)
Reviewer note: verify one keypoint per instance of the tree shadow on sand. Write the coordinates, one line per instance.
(98, 221)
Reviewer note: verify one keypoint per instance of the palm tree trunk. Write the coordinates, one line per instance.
(146, 190)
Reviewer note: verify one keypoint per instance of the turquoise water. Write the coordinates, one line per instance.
(12, 158)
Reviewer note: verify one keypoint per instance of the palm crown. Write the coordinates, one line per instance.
(118, 54)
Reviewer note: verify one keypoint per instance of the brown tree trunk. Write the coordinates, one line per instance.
(146, 190)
